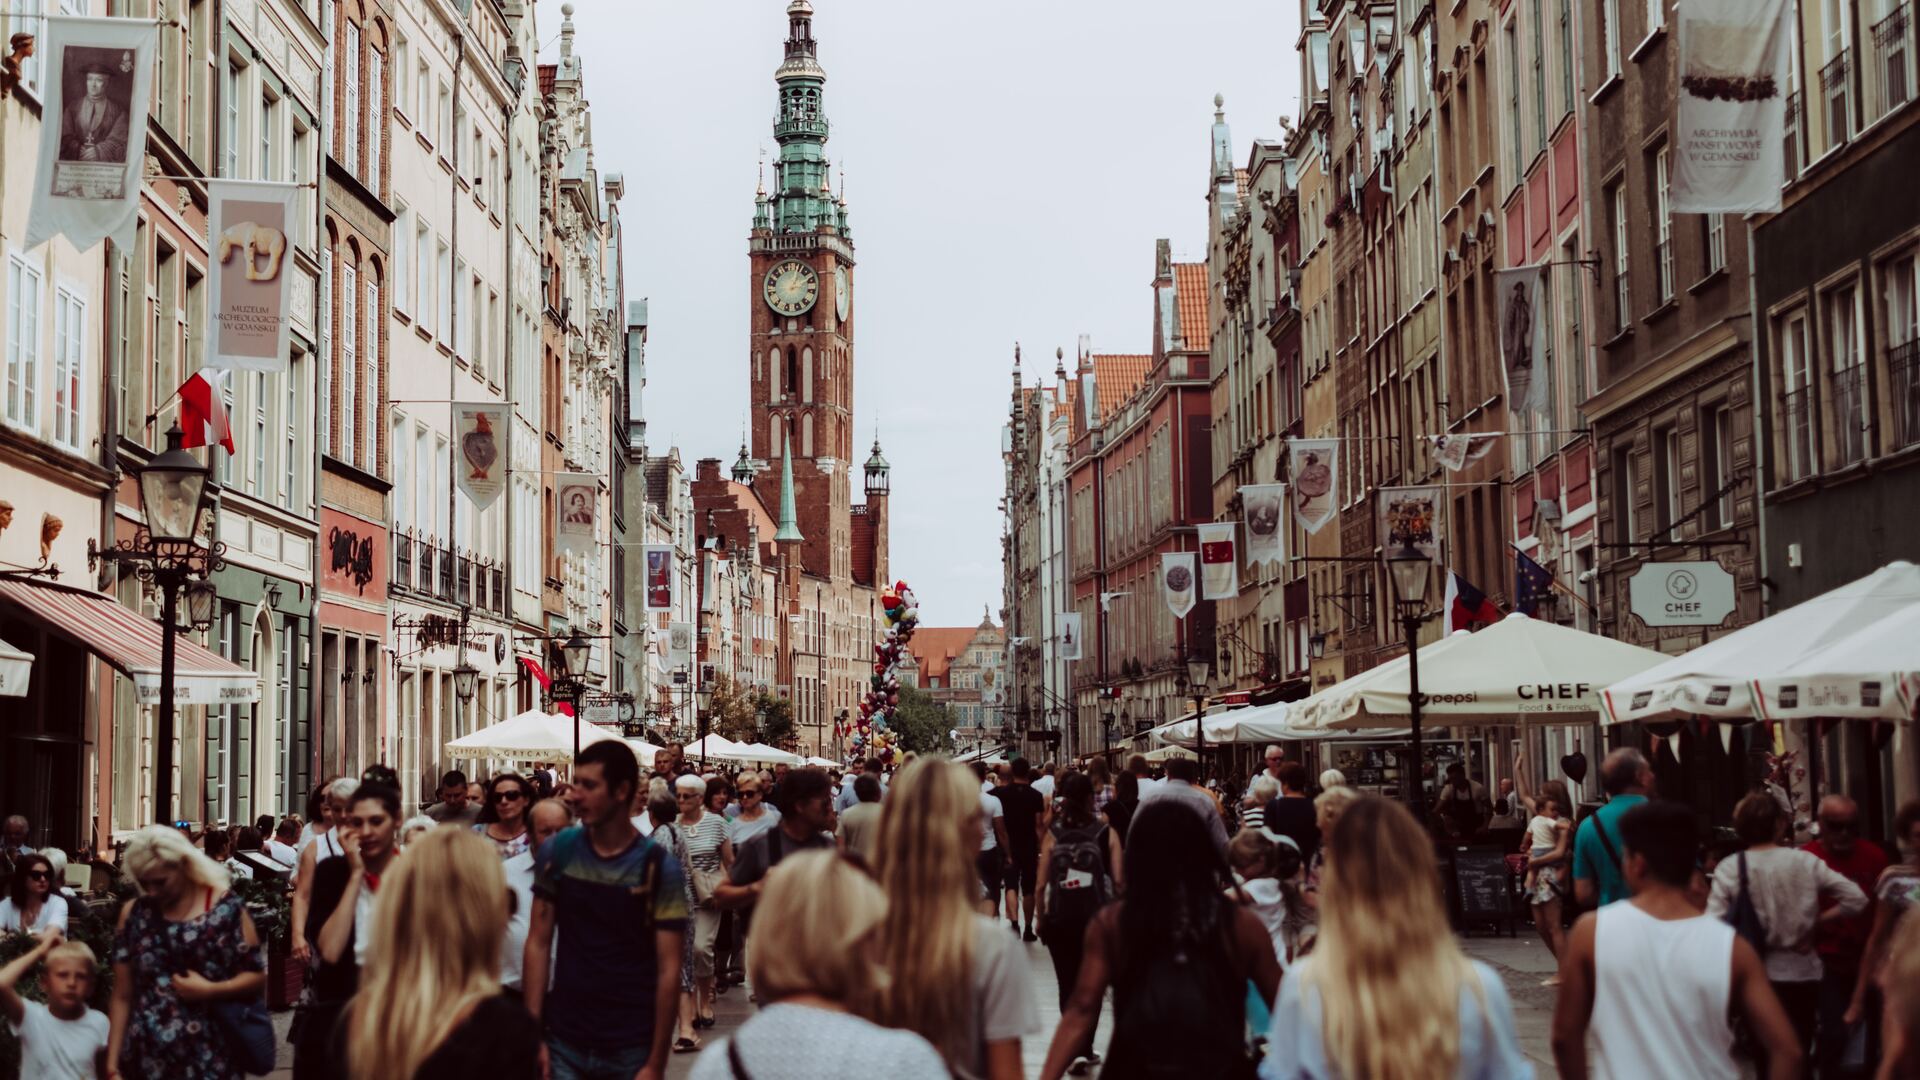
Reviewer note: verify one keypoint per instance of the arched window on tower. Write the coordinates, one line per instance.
(793, 370)
(773, 437)
(806, 374)
(773, 374)
(806, 435)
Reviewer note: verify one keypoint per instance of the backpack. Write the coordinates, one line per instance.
(1196, 993)
(1077, 881)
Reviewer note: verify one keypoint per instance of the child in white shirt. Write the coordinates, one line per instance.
(63, 1039)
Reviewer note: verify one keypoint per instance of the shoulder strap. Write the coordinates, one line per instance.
(733, 1059)
(776, 849)
(1600, 830)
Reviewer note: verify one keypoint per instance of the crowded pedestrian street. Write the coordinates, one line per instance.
(825, 539)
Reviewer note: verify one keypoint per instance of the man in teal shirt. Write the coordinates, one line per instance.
(1597, 877)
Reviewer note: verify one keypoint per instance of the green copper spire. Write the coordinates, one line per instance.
(801, 201)
(788, 530)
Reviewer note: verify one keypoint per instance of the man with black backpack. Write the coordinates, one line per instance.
(1079, 873)
(1598, 874)
(805, 800)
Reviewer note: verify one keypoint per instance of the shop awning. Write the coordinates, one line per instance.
(131, 643)
(15, 668)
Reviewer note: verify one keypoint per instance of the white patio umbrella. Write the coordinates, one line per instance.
(1520, 670)
(1852, 653)
(770, 755)
(531, 736)
(644, 750)
(1167, 753)
(15, 668)
(824, 763)
(1255, 724)
(716, 747)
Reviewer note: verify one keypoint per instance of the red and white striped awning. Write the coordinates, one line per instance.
(131, 642)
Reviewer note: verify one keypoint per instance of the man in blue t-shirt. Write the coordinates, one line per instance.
(1598, 878)
(620, 904)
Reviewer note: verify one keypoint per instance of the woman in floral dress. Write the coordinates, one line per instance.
(184, 945)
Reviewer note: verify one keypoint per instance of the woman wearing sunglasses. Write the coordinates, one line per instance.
(33, 903)
(503, 820)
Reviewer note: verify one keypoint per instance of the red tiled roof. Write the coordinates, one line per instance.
(1241, 184)
(548, 72)
(934, 648)
(1190, 295)
(1116, 376)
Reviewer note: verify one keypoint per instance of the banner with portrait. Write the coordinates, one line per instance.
(1070, 643)
(1219, 561)
(96, 79)
(480, 431)
(1410, 518)
(658, 580)
(1523, 337)
(252, 259)
(1730, 108)
(1176, 581)
(1264, 508)
(577, 528)
(1313, 465)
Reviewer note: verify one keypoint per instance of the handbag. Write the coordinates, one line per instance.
(248, 1027)
(704, 884)
(1744, 917)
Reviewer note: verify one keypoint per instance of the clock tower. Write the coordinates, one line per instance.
(801, 280)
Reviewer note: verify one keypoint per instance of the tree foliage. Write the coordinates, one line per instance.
(921, 722)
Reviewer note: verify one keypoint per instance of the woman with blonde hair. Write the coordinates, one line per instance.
(958, 979)
(809, 959)
(182, 947)
(1327, 808)
(430, 1005)
(1386, 993)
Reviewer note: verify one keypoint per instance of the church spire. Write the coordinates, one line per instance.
(788, 529)
(802, 200)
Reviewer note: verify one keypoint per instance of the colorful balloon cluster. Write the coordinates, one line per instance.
(873, 734)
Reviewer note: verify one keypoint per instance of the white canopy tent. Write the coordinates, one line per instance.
(761, 753)
(1852, 653)
(825, 763)
(1169, 752)
(531, 736)
(717, 747)
(1518, 671)
(644, 750)
(15, 669)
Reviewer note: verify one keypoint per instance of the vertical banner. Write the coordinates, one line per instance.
(1730, 113)
(1312, 464)
(658, 583)
(1264, 507)
(1069, 635)
(248, 223)
(1410, 518)
(1219, 561)
(679, 645)
(481, 469)
(97, 78)
(1176, 582)
(577, 530)
(1523, 337)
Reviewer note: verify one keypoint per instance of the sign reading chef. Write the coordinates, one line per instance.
(1682, 593)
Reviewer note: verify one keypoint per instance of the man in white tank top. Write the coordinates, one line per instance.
(1653, 980)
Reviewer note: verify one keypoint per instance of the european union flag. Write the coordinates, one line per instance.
(1532, 584)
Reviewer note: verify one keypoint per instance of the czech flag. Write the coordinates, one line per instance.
(1467, 605)
(203, 412)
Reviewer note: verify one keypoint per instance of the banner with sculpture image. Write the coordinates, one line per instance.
(1070, 642)
(480, 431)
(252, 262)
(1730, 112)
(96, 76)
(1523, 337)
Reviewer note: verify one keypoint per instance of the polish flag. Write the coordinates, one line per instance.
(203, 411)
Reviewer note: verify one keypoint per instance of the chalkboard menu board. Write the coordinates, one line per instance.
(1482, 886)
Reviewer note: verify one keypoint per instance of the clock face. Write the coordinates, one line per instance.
(842, 292)
(791, 287)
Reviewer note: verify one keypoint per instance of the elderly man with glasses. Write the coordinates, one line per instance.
(1842, 942)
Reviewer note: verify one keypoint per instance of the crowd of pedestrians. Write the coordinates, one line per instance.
(526, 927)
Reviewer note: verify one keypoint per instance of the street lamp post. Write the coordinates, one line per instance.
(1409, 568)
(703, 695)
(575, 653)
(1197, 674)
(175, 499)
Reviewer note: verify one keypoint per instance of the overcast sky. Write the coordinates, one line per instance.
(1009, 164)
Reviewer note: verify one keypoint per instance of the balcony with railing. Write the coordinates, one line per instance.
(1850, 414)
(1836, 89)
(403, 560)
(1903, 374)
(1802, 456)
(1890, 80)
